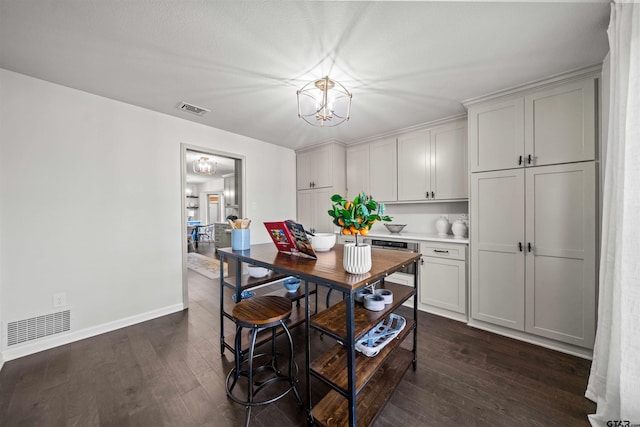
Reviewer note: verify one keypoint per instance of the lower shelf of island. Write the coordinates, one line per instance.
(333, 409)
(331, 367)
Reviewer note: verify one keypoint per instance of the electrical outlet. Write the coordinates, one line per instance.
(59, 300)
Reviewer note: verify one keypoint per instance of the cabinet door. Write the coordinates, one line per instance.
(383, 170)
(322, 166)
(414, 166)
(304, 163)
(561, 267)
(443, 284)
(357, 170)
(496, 135)
(560, 124)
(322, 222)
(497, 264)
(305, 208)
(449, 161)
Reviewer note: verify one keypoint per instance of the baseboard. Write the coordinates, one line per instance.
(66, 338)
(573, 350)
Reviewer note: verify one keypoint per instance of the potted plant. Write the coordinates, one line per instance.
(355, 217)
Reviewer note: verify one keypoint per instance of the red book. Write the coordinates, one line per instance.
(290, 238)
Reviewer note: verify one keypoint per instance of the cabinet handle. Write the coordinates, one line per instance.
(520, 246)
(529, 247)
(440, 252)
(529, 159)
(519, 160)
(427, 194)
(433, 195)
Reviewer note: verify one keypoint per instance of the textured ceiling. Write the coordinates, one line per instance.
(406, 63)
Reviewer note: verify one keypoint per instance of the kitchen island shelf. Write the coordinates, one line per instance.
(331, 320)
(333, 409)
(331, 367)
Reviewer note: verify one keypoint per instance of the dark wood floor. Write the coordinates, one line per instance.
(169, 371)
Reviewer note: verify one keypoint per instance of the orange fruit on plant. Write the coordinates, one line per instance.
(341, 222)
(348, 205)
(364, 231)
(346, 231)
(353, 229)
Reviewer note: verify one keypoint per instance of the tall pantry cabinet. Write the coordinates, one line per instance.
(533, 210)
(320, 173)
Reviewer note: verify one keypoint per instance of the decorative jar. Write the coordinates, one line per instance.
(459, 227)
(356, 259)
(442, 225)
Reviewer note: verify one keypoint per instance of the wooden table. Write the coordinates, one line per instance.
(345, 321)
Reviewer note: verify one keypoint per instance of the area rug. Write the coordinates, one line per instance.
(206, 266)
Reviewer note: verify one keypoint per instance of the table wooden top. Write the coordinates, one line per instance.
(327, 269)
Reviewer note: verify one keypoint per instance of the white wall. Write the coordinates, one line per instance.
(91, 202)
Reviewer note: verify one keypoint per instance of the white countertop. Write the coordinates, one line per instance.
(408, 235)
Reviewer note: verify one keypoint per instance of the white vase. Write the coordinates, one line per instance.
(459, 228)
(442, 225)
(356, 259)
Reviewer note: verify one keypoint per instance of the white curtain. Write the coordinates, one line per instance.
(614, 383)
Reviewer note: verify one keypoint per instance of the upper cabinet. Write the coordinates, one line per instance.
(320, 174)
(372, 168)
(539, 127)
(315, 166)
(432, 163)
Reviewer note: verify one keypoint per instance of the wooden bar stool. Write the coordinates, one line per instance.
(257, 314)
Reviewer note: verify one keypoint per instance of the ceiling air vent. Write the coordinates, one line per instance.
(192, 108)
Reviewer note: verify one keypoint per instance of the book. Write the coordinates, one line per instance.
(290, 238)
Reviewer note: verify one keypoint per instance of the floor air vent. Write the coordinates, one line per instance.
(38, 327)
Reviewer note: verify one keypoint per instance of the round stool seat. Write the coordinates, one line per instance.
(262, 311)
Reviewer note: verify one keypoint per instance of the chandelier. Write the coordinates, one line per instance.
(324, 102)
(203, 166)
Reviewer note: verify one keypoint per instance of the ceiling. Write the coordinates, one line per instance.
(406, 63)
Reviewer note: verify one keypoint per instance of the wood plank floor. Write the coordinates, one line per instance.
(169, 371)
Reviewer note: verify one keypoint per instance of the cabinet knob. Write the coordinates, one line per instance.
(529, 159)
(520, 246)
(433, 195)
(519, 160)
(427, 195)
(529, 247)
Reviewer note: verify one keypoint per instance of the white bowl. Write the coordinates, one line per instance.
(322, 242)
(257, 271)
(374, 302)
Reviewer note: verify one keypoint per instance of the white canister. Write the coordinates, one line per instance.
(459, 228)
(442, 225)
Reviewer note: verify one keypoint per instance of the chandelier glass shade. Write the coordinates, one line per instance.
(203, 166)
(324, 103)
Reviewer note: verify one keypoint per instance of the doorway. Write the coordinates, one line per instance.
(207, 195)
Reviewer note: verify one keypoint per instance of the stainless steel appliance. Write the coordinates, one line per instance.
(398, 245)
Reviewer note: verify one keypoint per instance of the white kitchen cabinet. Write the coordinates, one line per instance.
(533, 245)
(534, 127)
(432, 163)
(316, 166)
(383, 170)
(372, 168)
(560, 124)
(496, 235)
(496, 135)
(357, 170)
(321, 174)
(443, 279)
(313, 207)
(414, 166)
